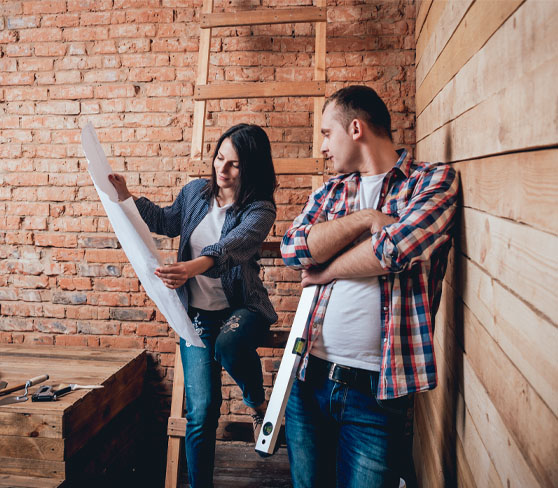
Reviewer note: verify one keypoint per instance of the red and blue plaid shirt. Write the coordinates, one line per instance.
(413, 250)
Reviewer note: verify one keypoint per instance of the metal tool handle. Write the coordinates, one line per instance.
(36, 380)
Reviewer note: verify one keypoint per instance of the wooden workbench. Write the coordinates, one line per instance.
(69, 439)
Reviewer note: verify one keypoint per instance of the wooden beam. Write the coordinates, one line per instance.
(479, 24)
(198, 127)
(259, 90)
(177, 410)
(319, 75)
(264, 16)
(283, 166)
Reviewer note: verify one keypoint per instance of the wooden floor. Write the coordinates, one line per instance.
(238, 465)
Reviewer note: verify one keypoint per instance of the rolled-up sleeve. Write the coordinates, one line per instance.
(425, 224)
(244, 241)
(294, 246)
(165, 221)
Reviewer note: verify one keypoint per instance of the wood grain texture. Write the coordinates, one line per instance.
(529, 421)
(447, 21)
(423, 7)
(430, 27)
(259, 89)
(41, 438)
(523, 43)
(29, 482)
(526, 338)
(479, 24)
(521, 257)
(520, 186)
(263, 16)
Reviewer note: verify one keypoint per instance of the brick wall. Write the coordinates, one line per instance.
(129, 66)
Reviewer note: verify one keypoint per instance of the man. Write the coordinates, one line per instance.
(376, 238)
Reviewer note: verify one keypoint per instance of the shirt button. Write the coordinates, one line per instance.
(385, 340)
(385, 309)
(383, 194)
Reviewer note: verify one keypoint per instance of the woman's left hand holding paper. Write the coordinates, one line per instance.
(176, 274)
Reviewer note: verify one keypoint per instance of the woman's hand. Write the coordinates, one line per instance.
(119, 183)
(175, 275)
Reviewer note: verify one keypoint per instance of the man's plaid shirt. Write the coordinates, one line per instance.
(413, 250)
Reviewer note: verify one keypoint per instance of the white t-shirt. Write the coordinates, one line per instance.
(352, 329)
(207, 293)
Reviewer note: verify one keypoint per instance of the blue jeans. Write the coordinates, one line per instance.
(231, 338)
(342, 436)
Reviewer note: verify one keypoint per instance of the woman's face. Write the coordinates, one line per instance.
(227, 166)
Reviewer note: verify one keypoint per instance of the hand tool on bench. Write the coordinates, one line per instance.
(296, 345)
(22, 398)
(46, 393)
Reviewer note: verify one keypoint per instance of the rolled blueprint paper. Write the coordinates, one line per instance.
(135, 239)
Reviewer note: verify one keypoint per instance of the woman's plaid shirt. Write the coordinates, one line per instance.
(413, 250)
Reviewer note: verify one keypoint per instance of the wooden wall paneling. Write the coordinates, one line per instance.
(508, 460)
(524, 42)
(445, 26)
(519, 186)
(532, 427)
(521, 257)
(530, 342)
(468, 137)
(431, 471)
(479, 24)
(449, 357)
(465, 478)
(423, 8)
(526, 337)
(471, 452)
(431, 24)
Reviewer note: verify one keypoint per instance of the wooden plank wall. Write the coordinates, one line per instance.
(487, 101)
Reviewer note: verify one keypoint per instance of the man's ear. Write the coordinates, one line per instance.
(356, 129)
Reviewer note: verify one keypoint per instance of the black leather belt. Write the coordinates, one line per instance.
(354, 377)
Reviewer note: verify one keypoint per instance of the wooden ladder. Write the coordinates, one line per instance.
(198, 165)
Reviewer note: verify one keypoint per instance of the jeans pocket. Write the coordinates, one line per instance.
(396, 406)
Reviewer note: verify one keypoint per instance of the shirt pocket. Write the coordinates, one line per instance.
(335, 210)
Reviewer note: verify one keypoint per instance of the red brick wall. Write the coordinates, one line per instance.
(129, 66)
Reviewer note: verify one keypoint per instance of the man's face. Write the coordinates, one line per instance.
(338, 145)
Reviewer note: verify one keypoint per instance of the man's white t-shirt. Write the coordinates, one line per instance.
(207, 293)
(352, 329)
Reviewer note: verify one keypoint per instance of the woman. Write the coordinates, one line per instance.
(222, 223)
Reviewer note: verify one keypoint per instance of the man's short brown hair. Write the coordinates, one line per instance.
(362, 102)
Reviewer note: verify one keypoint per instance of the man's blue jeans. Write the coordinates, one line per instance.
(342, 436)
(231, 338)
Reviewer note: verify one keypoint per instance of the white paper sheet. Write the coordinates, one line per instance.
(135, 238)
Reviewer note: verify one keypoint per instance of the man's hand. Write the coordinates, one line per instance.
(316, 276)
(119, 183)
(380, 220)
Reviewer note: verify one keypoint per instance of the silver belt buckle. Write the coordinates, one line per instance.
(332, 370)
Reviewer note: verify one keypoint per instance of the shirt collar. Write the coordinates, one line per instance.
(403, 163)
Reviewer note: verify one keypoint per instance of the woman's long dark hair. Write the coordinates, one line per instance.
(257, 175)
